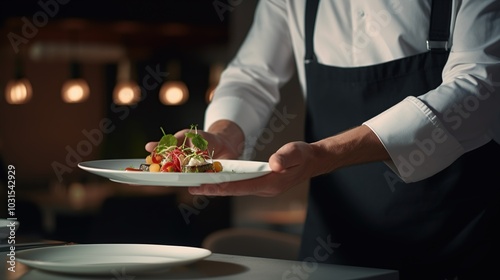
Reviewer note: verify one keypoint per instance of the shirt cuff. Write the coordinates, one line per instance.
(418, 144)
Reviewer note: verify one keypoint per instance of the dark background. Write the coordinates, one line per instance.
(36, 134)
(82, 207)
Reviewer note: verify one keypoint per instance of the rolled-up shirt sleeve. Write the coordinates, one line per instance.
(425, 134)
(251, 81)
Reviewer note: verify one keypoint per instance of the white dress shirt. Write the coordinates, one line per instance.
(437, 127)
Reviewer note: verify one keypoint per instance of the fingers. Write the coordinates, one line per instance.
(262, 186)
(289, 166)
(180, 134)
(235, 189)
(150, 146)
(217, 190)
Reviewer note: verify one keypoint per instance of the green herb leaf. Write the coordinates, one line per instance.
(199, 142)
(168, 140)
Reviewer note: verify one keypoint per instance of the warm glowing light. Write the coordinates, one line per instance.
(18, 91)
(75, 91)
(126, 93)
(174, 93)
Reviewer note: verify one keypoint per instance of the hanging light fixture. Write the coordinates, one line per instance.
(214, 77)
(127, 91)
(173, 91)
(76, 89)
(18, 90)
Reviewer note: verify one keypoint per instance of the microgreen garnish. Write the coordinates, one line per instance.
(168, 156)
(168, 142)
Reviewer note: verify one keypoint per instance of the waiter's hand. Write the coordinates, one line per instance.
(297, 162)
(223, 149)
(290, 166)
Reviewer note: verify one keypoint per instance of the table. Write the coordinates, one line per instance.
(222, 266)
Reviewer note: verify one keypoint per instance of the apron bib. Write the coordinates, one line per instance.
(364, 215)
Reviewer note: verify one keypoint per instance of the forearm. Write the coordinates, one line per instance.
(355, 146)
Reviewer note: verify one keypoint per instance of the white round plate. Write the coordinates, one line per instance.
(108, 259)
(233, 170)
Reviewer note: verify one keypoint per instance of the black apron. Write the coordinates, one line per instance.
(439, 228)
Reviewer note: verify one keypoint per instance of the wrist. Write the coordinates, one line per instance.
(355, 146)
(231, 136)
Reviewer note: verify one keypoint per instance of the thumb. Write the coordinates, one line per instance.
(286, 157)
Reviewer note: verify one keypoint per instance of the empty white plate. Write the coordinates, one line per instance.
(101, 259)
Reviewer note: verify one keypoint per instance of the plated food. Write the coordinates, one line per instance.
(171, 163)
(114, 170)
(192, 156)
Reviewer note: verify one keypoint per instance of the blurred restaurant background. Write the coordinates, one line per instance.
(84, 80)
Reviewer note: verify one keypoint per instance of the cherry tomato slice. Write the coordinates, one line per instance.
(168, 167)
(132, 169)
(155, 158)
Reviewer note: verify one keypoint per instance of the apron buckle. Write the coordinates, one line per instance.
(437, 45)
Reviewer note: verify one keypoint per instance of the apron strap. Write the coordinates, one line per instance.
(310, 22)
(439, 30)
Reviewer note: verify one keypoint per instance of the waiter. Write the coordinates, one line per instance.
(402, 111)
